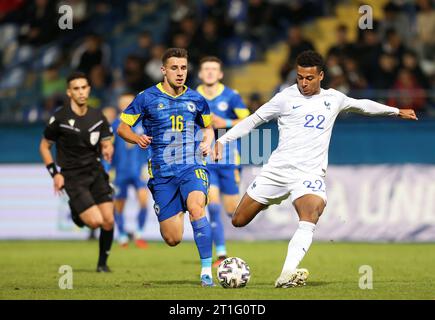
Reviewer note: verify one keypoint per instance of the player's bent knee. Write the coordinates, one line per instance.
(196, 212)
(237, 222)
(108, 224)
(172, 241)
(94, 223)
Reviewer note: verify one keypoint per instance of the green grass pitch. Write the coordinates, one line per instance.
(29, 270)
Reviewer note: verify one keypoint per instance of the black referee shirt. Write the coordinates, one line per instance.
(77, 137)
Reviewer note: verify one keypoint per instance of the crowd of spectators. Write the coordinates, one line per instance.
(119, 45)
(393, 63)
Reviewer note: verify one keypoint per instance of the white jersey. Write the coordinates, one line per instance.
(305, 125)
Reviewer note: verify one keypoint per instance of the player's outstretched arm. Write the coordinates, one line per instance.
(239, 130)
(125, 132)
(373, 108)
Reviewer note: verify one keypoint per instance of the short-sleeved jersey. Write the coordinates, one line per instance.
(77, 137)
(128, 159)
(227, 104)
(174, 123)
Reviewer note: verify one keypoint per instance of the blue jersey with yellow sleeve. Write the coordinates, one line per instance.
(227, 104)
(174, 123)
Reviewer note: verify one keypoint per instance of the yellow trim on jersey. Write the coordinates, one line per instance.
(236, 157)
(150, 170)
(237, 176)
(206, 119)
(160, 87)
(241, 113)
(129, 119)
(219, 91)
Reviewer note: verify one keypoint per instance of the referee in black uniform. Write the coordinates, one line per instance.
(82, 135)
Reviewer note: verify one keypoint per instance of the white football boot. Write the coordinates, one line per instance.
(292, 279)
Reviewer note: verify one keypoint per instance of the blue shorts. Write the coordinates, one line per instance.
(121, 184)
(170, 193)
(226, 178)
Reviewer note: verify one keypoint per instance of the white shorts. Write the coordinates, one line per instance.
(271, 187)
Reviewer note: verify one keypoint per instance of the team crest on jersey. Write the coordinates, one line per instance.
(157, 208)
(222, 106)
(191, 107)
(71, 122)
(52, 119)
(161, 106)
(327, 104)
(94, 137)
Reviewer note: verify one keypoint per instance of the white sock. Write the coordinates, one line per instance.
(206, 270)
(298, 245)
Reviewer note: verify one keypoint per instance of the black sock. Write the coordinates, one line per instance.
(106, 238)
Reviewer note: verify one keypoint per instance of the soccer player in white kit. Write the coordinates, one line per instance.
(306, 115)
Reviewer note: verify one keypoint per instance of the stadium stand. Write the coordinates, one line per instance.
(118, 43)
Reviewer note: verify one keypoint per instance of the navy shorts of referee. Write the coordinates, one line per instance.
(82, 137)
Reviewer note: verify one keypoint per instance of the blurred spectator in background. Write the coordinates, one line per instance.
(152, 68)
(91, 53)
(407, 92)
(53, 88)
(255, 101)
(354, 78)
(100, 87)
(180, 9)
(39, 23)
(411, 63)
(393, 44)
(387, 71)
(216, 10)
(343, 47)
(334, 74)
(367, 53)
(143, 46)
(111, 113)
(395, 18)
(134, 75)
(426, 29)
(259, 28)
(296, 43)
(287, 77)
(208, 42)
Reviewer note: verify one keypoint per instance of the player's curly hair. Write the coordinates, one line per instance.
(310, 58)
(174, 52)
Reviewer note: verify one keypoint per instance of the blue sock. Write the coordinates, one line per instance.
(119, 220)
(141, 218)
(217, 228)
(203, 240)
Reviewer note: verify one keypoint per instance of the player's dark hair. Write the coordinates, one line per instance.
(210, 59)
(174, 52)
(310, 58)
(76, 75)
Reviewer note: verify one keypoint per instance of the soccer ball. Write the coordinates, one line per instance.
(233, 272)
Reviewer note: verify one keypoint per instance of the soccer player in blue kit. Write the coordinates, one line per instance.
(128, 164)
(177, 126)
(227, 110)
